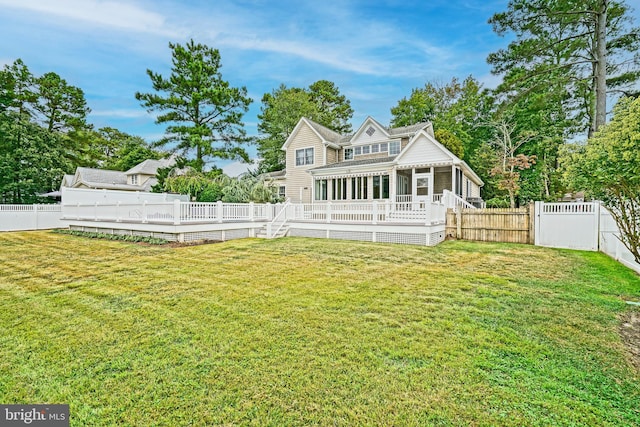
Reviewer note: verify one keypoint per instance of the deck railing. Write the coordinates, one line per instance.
(177, 212)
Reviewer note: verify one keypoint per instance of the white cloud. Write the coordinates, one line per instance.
(114, 14)
(122, 113)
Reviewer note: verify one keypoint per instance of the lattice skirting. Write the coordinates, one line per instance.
(421, 239)
(219, 235)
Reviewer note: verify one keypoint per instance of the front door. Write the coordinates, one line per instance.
(422, 189)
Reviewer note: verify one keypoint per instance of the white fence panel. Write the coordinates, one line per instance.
(567, 225)
(30, 217)
(611, 244)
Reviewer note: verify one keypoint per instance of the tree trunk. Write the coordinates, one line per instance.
(601, 65)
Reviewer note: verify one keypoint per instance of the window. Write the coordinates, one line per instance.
(365, 149)
(348, 153)
(394, 148)
(134, 179)
(358, 151)
(339, 189)
(381, 187)
(375, 148)
(384, 147)
(359, 188)
(304, 156)
(321, 189)
(282, 193)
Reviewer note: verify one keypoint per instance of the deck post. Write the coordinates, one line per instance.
(144, 211)
(176, 212)
(375, 212)
(219, 210)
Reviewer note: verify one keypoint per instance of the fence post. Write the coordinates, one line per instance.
(459, 224)
(78, 211)
(176, 212)
(251, 211)
(375, 212)
(144, 211)
(269, 212)
(95, 211)
(537, 211)
(532, 223)
(118, 211)
(220, 210)
(35, 214)
(328, 212)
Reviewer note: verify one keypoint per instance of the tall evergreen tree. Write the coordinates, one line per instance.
(583, 50)
(204, 111)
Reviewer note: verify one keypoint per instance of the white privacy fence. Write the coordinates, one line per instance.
(30, 217)
(585, 226)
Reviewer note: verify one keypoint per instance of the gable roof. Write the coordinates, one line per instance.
(326, 135)
(150, 167)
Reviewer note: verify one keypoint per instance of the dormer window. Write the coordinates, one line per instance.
(134, 179)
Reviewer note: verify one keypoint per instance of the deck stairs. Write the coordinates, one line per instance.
(282, 232)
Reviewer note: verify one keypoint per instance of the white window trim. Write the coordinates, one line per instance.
(295, 156)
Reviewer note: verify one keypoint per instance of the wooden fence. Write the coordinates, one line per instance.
(492, 225)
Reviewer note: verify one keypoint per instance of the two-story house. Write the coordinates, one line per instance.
(375, 163)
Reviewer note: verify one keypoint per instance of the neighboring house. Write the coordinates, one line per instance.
(375, 163)
(139, 178)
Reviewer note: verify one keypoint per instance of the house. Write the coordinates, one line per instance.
(405, 164)
(139, 178)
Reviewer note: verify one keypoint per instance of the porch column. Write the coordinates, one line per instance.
(453, 179)
(329, 189)
(393, 179)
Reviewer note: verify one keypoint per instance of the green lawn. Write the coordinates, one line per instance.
(302, 331)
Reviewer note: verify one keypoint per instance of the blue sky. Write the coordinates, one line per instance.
(375, 51)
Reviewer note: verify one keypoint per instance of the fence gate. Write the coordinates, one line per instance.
(567, 225)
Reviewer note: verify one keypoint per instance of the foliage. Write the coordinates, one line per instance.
(315, 332)
(122, 151)
(283, 108)
(578, 49)
(460, 108)
(215, 186)
(204, 110)
(450, 141)
(42, 120)
(32, 160)
(508, 161)
(108, 236)
(608, 168)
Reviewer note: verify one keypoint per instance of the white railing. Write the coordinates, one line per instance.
(455, 202)
(408, 198)
(279, 219)
(30, 208)
(369, 212)
(178, 212)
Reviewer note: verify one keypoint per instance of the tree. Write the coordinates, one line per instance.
(460, 108)
(205, 112)
(450, 141)
(509, 162)
(608, 169)
(32, 160)
(62, 107)
(283, 108)
(568, 45)
(280, 112)
(121, 151)
(333, 109)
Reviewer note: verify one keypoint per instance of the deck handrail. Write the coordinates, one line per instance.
(278, 221)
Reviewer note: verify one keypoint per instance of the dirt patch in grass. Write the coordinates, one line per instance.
(630, 331)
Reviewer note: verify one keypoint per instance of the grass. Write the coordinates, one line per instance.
(302, 331)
